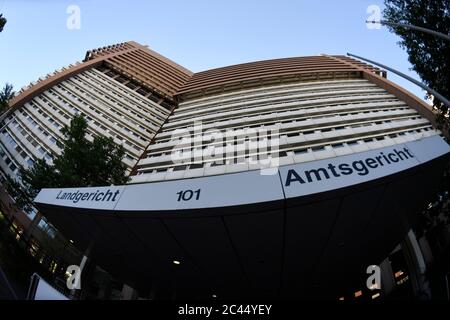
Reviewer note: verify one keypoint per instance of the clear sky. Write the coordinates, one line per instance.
(198, 34)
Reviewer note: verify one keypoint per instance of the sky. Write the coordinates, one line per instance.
(44, 35)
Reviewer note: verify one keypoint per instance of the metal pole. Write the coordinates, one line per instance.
(8, 284)
(410, 26)
(5, 125)
(446, 285)
(420, 84)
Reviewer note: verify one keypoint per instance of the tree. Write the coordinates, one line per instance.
(6, 94)
(82, 163)
(2, 22)
(429, 55)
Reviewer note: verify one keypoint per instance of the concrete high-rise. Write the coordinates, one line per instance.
(267, 178)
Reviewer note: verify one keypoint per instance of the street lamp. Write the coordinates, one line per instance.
(413, 27)
(436, 94)
(443, 99)
(4, 124)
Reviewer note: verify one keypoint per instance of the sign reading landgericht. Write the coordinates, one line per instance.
(252, 187)
(106, 195)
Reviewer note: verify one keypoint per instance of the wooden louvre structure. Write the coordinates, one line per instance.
(263, 71)
(175, 83)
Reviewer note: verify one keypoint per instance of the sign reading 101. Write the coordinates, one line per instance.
(186, 195)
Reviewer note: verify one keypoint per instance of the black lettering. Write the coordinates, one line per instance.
(73, 195)
(360, 167)
(379, 158)
(371, 163)
(408, 152)
(187, 195)
(78, 197)
(333, 170)
(197, 194)
(292, 176)
(316, 172)
(88, 196)
(390, 155)
(109, 194)
(345, 169)
(400, 154)
(385, 158)
(98, 196)
(115, 195)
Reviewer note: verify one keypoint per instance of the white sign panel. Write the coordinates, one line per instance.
(45, 291)
(334, 173)
(103, 198)
(252, 187)
(209, 192)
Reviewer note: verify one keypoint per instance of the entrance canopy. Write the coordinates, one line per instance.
(309, 229)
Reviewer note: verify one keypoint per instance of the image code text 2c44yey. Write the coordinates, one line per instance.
(232, 309)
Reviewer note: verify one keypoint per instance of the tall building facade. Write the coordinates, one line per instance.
(316, 116)
(246, 180)
(126, 91)
(128, 108)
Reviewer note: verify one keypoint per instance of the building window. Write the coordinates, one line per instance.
(13, 167)
(30, 162)
(196, 166)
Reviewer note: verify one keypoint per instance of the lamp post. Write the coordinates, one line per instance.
(413, 27)
(401, 74)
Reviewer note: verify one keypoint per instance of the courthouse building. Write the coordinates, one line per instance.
(277, 178)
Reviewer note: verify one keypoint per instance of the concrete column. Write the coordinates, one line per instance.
(416, 266)
(426, 251)
(153, 291)
(82, 267)
(387, 277)
(73, 292)
(128, 293)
